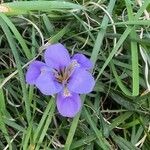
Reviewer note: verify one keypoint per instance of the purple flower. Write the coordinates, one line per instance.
(61, 74)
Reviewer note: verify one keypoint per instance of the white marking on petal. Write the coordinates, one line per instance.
(66, 92)
(75, 64)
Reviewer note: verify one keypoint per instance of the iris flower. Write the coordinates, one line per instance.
(68, 77)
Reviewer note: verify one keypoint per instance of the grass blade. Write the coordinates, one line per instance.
(23, 7)
(20, 71)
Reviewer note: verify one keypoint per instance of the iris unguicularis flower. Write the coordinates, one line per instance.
(68, 77)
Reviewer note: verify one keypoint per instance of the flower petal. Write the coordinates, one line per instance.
(68, 106)
(81, 81)
(83, 61)
(34, 71)
(47, 84)
(57, 56)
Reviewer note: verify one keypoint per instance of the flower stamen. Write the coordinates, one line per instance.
(63, 75)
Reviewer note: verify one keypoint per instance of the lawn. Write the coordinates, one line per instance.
(104, 94)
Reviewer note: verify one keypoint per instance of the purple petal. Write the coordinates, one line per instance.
(83, 61)
(34, 71)
(68, 106)
(47, 84)
(57, 56)
(81, 81)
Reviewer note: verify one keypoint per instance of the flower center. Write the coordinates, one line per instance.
(63, 75)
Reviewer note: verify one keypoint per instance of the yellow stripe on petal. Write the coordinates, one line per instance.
(66, 92)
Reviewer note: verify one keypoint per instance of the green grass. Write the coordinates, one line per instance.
(116, 115)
